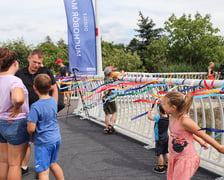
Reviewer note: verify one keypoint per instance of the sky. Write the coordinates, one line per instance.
(33, 20)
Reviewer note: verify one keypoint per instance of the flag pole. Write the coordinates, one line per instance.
(98, 42)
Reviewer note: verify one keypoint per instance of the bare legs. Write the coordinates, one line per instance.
(11, 159)
(167, 158)
(113, 118)
(68, 98)
(107, 119)
(44, 175)
(161, 159)
(4, 166)
(109, 125)
(27, 156)
(55, 169)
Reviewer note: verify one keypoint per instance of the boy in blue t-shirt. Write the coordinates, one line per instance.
(161, 138)
(44, 128)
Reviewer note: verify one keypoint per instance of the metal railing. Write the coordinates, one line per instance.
(190, 75)
(206, 111)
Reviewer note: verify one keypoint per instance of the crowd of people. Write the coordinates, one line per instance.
(181, 159)
(22, 121)
(28, 116)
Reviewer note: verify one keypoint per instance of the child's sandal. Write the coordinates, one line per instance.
(111, 129)
(106, 131)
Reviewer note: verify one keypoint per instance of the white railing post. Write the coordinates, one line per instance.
(207, 112)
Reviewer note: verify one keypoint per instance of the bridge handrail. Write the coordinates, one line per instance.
(207, 112)
(184, 75)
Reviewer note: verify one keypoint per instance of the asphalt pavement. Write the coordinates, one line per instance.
(86, 153)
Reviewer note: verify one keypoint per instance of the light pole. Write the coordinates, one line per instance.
(98, 42)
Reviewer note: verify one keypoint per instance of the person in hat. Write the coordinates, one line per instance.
(64, 72)
(109, 105)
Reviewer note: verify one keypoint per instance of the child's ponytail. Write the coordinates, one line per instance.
(181, 101)
(187, 102)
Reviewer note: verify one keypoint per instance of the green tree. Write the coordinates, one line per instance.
(20, 47)
(116, 56)
(53, 52)
(193, 41)
(61, 44)
(63, 51)
(156, 54)
(48, 39)
(147, 33)
(135, 45)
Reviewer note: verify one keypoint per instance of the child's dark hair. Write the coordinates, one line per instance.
(161, 110)
(181, 101)
(43, 83)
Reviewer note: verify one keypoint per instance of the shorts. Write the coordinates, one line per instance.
(110, 107)
(161, 147)
(45, 155)
(14, 132)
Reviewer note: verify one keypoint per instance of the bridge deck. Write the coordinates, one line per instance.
(88, 154)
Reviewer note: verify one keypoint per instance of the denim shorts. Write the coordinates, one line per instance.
(45, 155)
(14, 132)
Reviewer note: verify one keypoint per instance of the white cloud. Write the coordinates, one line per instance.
(34, 20)
(125, 12)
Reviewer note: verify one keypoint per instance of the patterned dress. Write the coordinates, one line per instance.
(184, 160)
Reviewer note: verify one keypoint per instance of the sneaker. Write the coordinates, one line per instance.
(25, 171)
(159, 169)
(165, 166)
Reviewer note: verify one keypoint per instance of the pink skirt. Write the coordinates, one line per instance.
(182, 169)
